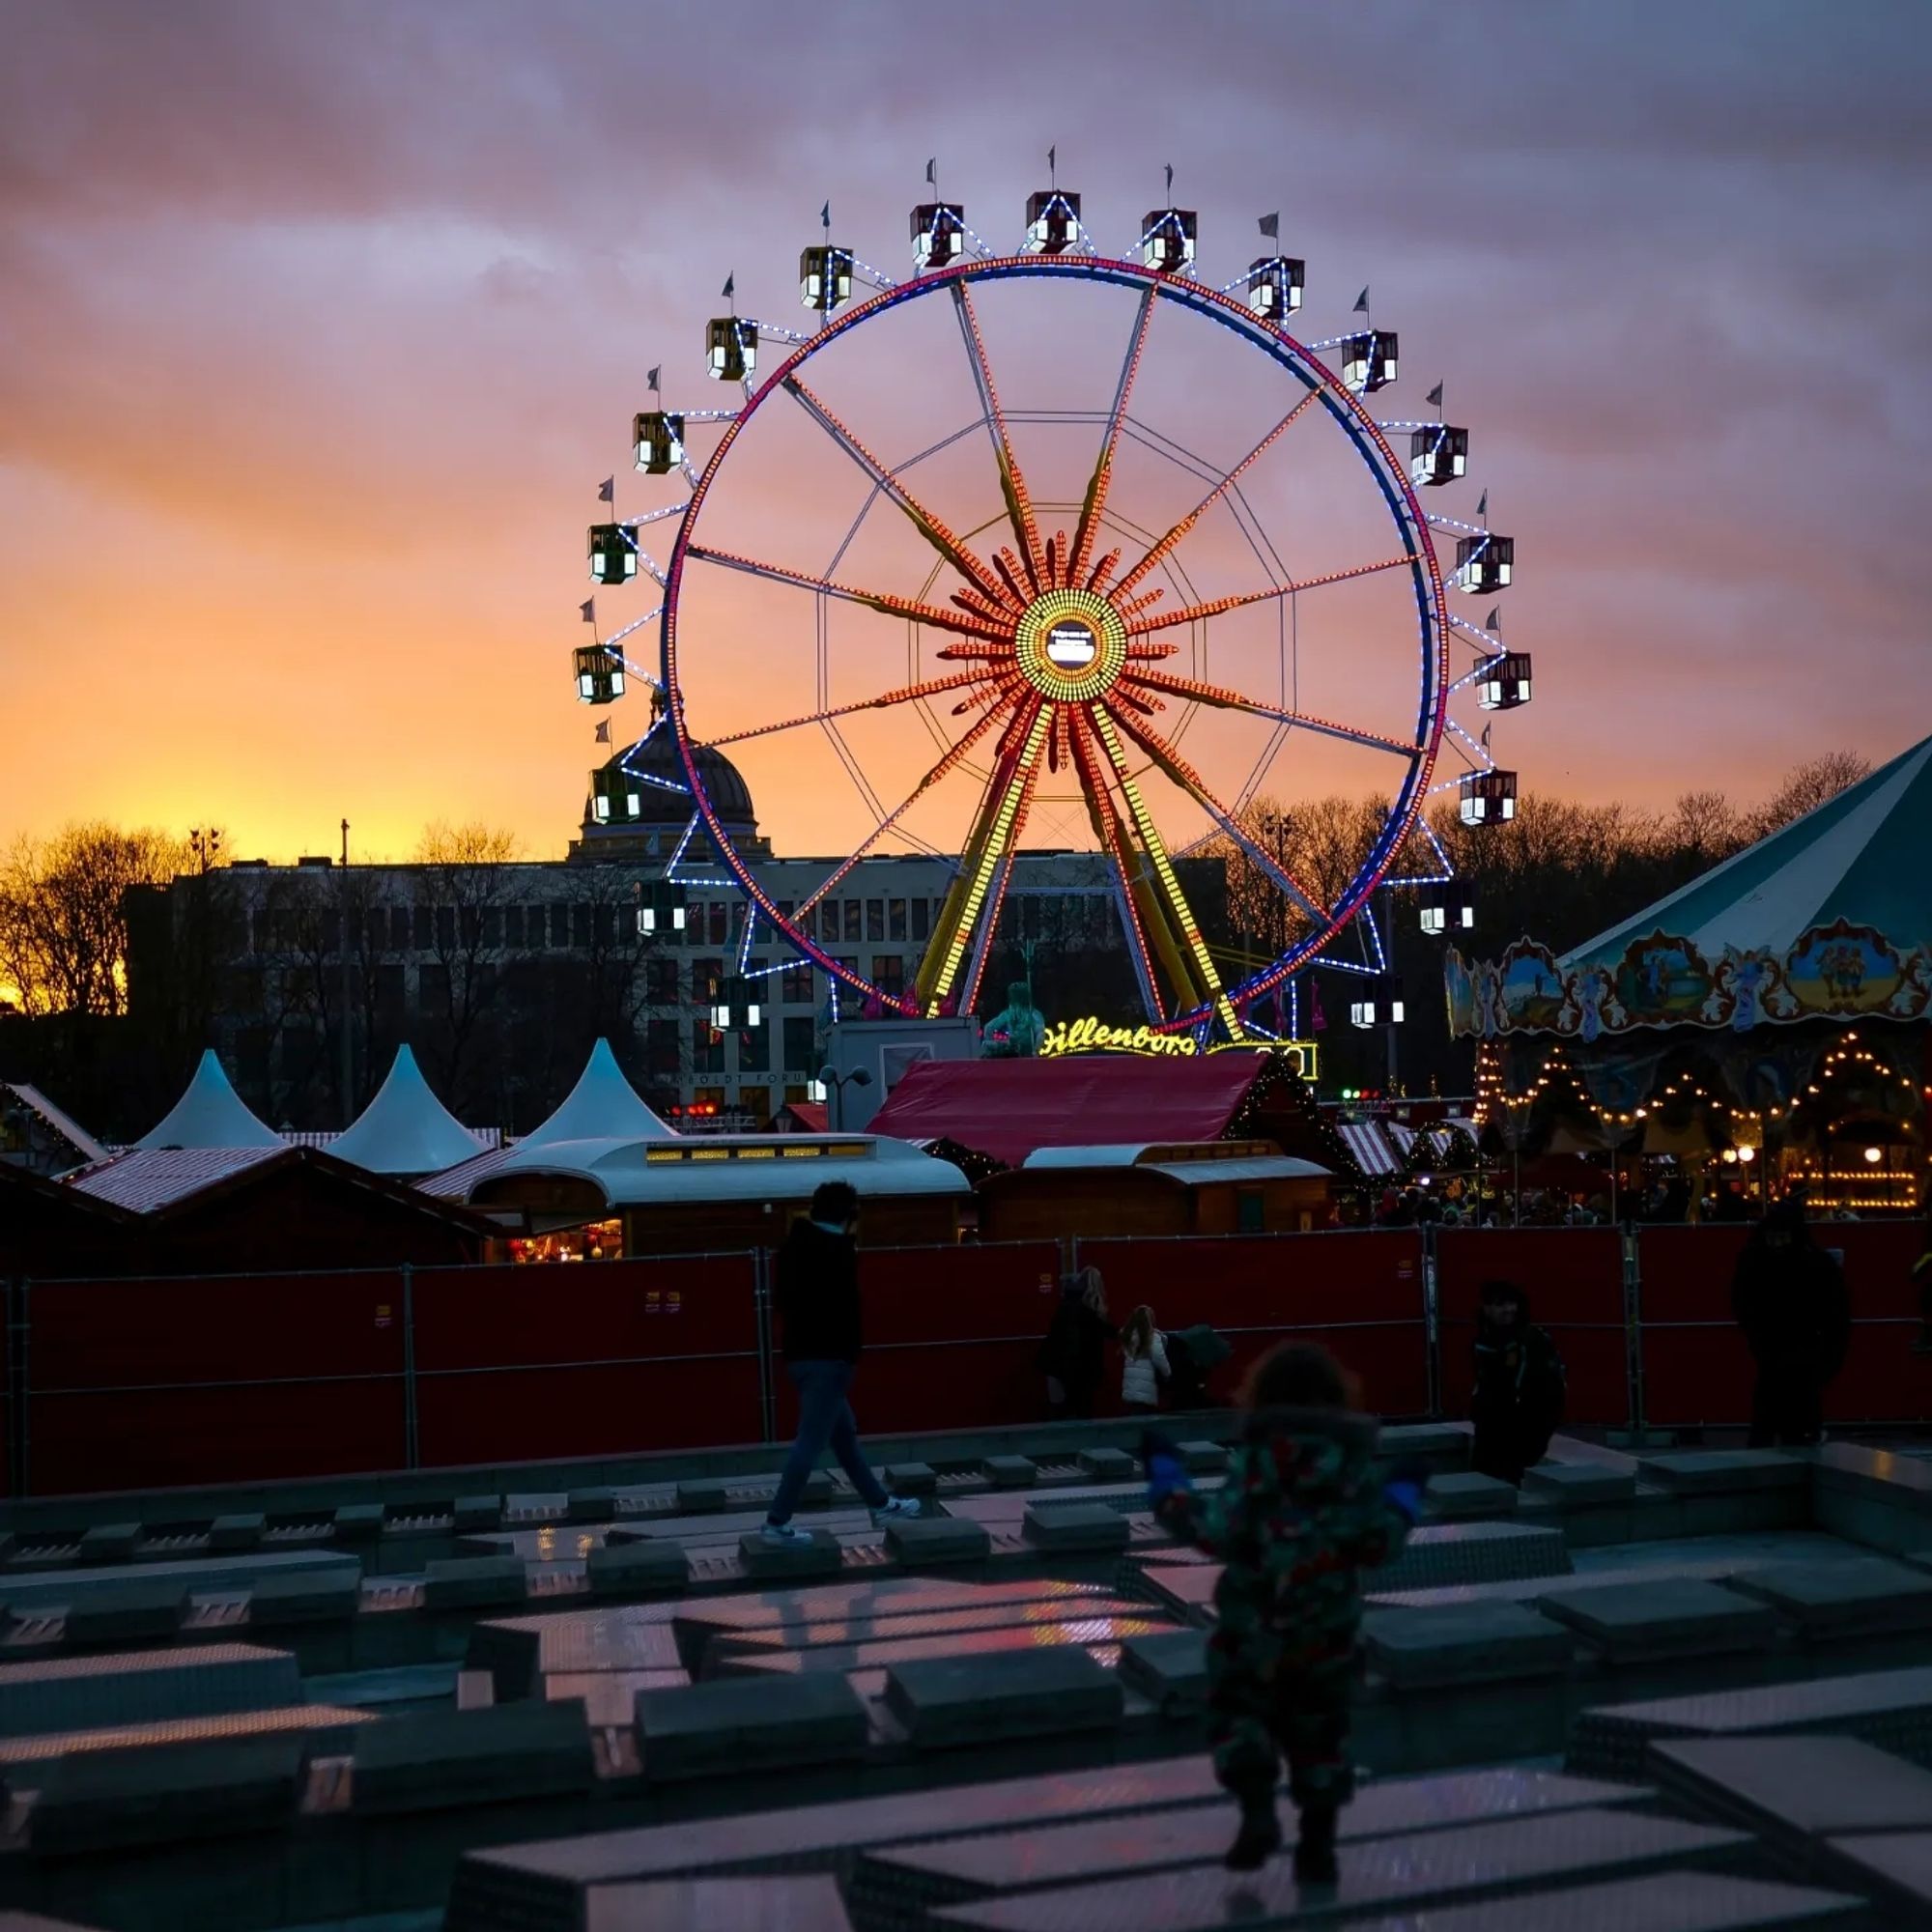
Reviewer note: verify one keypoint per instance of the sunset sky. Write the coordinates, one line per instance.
(320, 326)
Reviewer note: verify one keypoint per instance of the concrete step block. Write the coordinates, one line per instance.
(110, 1542)
(593, 1505)
(103, 1800)
(1010, 1472)
(822, 1556)
(473, 1582)
(819, 1488)
(1673, 1617)
(136, 1609)
(1665, 1901)
(701, 1495)
(1792, 1790)
(474, 1513)
(1169, 1670)
(930, 1541)
(1465, 1643)
(1705, 1471)
(133, 1686)
(730, 1725)
(638, 1567)
(358, 1523)
(242, 1531)
(1075, 1526)
(431, 1760)
(1201, 1459)
(1574, 1485)
(1463, 1492)
(1475, 1553)
(1856, 1597)
(1108, 1466)
(910, 1479)
(305, 1597)
(787, 1902)
(1898, 1866)
(946, 1702)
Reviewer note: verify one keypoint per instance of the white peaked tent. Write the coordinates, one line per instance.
(406, 1129)
(603, 1106)
(211, 1114)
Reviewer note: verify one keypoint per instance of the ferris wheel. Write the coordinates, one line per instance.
(1058, 548)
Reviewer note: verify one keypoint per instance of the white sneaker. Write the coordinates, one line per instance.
(895, 1509)
(785, 1536)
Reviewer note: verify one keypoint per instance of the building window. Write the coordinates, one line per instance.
(758, 1103)
(445, 928)
(716, 916)
(606, 925)
(663, 1050)
(895, 919)
(399, 928)
(707, 1050)
(423, 929)
(660, 983)
(755, 1049)
(875, 921)
(889, 972)
(579, 926)
(801, 1045)
(854, 918)
(433, 989)
(492, 932)
(392, 992)
(512, 926)
(919, 923)
(560, 925)
(795, 983)
(707, 977)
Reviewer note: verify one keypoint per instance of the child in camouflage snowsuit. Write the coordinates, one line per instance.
(1300, 1515)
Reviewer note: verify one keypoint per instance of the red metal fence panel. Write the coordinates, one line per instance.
(585, 1358)
(1697, 1368)
(212, 1378)
(950, 1337)
(1359, 1293)
(1575, 1280)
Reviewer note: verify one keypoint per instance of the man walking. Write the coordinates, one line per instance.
(1517, 1399)
(1790, 1299)
(818, 1306)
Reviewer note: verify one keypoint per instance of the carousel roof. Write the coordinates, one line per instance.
(1857, 857)
(404, 1130)
(603, 1106)
(209, 1114)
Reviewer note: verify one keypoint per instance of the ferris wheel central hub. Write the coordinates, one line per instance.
(1072, 645)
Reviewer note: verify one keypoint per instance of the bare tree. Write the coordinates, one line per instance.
(1808, 787)
(463, 884)
(63, 917)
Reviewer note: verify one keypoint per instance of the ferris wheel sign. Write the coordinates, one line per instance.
(985, 658)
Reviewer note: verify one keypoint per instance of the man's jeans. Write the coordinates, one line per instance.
(825, 1421)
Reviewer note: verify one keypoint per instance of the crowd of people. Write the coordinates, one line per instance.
(1304, 1509)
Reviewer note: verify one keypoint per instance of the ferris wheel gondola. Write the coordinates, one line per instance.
(1073, 660)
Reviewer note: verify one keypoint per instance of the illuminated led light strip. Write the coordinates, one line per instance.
(644, 555)
(1153, 558)
(1368, 917)
(1450, 524)
(1157, 851)
(771, 328)
(877, 276)
(1218, 694)
(905, 695)
(1021, 504)
(1163, 620)
(1001, 829)
(1442, 878)
(1096, 504)
(932, 528)
(1100, 803)
(653, 516)
(1494, 644)
(706, 415)
(636, 624)
(878, 600)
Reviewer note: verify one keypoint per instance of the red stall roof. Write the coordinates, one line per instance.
(1006, 1108)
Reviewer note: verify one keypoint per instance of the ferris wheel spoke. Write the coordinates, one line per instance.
(1095, 505)
(1183, 775)
(1173, 536)
(884, 601)
(1223, 699)
(1001, 808)
(905, 695)
(950, 761)
(1114, 842)
(930, 526)
(1012, 482)
(1186, 926)
(1140, 623)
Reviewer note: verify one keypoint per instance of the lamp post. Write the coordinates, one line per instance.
(836, 1084)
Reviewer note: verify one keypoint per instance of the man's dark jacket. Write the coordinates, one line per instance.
(818, 1296)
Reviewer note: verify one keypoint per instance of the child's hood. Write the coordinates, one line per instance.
(1317, 1450)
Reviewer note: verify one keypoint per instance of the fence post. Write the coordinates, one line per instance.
(1633, 1332)
(1432, 1327)
(761, 1307)
(411, 1457)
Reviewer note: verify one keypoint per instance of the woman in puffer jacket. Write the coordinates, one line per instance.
(1144, 1351)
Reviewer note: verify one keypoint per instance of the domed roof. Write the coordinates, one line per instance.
(667, 801)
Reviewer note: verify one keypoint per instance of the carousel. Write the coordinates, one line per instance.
(1763, 1028)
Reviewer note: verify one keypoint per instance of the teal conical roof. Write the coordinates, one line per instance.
(602, 1106)
(406, 1129)
(1860, 856)
(209, 1114)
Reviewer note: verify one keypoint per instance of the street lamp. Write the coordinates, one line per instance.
(836, 1084)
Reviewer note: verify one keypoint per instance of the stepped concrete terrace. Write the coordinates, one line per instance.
(1688, 1690)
